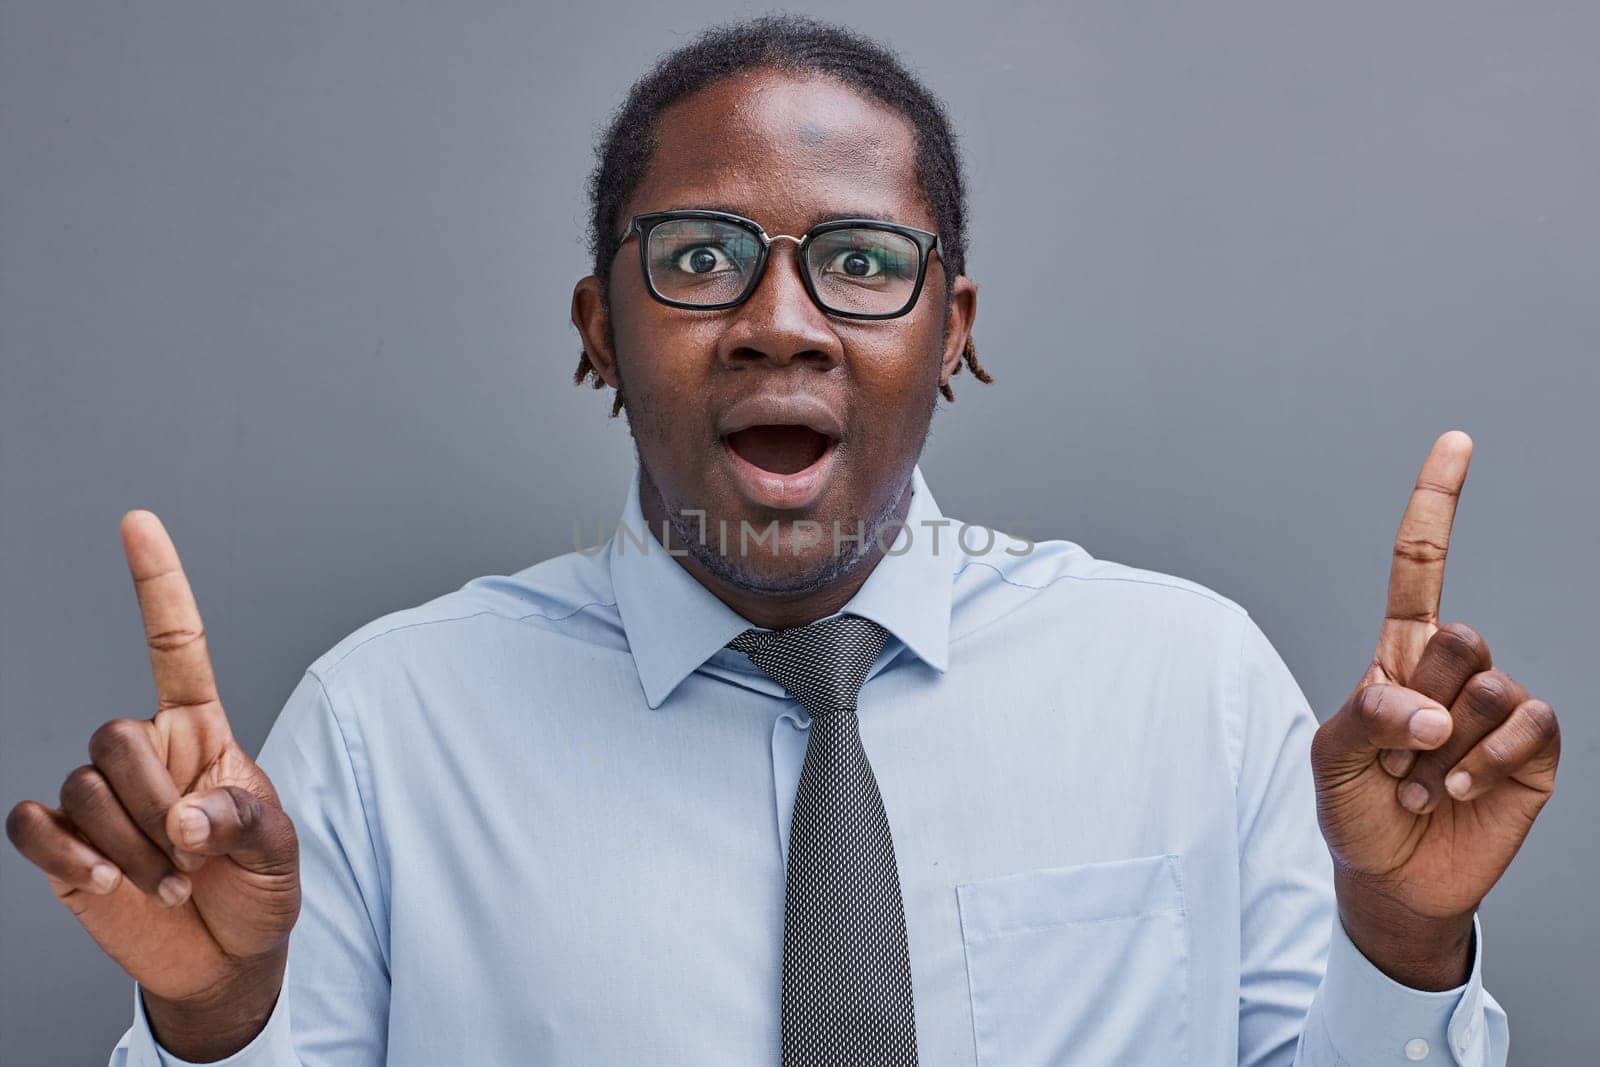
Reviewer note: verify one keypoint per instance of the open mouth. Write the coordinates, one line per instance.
(779, 449)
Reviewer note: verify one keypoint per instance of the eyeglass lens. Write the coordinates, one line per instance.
(708, 261)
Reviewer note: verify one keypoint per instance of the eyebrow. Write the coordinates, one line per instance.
(833, 216)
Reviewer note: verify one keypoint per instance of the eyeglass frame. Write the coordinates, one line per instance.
(925, 241)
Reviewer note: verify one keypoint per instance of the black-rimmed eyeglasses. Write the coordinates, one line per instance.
(855, 268)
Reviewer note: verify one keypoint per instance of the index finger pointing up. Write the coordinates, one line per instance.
(172, 627)
(1416, 576)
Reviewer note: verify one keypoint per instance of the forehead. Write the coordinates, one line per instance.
(785, 150)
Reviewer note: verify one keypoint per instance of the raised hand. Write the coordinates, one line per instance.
(170, 846)
(1430, 775)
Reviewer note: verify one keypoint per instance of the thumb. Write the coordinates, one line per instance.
(1376, 717)
(253, 831)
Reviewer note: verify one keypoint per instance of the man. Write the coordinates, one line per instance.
(795, 766)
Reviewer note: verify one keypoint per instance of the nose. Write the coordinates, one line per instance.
(779, 323)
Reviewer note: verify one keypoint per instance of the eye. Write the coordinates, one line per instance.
(854, 263)
(702, 259)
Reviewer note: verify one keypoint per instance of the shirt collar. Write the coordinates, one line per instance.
(674, 624)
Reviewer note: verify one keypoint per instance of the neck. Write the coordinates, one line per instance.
(764, 607)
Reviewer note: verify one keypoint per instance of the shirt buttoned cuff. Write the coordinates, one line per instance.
(1372, 1019)
(270, 1048)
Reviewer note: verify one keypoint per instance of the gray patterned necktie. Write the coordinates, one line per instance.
(846, 968)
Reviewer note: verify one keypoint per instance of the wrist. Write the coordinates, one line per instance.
(225, 1019)
(1431, 953)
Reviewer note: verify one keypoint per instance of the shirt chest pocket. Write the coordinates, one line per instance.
(1079, 965)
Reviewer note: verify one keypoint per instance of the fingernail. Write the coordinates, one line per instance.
(104, 877)
(193, 826)
(1430, 725)
(1414, 796)
(173, 890)
(1458, 784)
(1398, 761)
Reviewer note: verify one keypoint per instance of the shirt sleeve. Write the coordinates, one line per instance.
(335, 1001)
(1307, 996)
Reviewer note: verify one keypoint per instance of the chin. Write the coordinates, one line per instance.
(780, 573)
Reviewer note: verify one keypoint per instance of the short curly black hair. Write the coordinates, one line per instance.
(792, 44)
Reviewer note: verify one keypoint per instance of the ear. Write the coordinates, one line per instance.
(589, 316)
(958, 325)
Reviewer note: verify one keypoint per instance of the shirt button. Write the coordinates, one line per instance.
(1416, 1049)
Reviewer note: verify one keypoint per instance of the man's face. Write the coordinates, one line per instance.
(775, 410)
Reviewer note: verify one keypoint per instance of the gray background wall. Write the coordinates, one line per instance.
(295, 275)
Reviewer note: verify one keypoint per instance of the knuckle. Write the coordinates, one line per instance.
(1487, 693)
(1369, 705)
(25, 822)
(1494, 760)
(189, 718)
(246, 810)
(84, 789)
(177, 638)
(1542, 722)
(282, 841)
(1419, 549)
(1463, 642)
(1425, 485)
(114, 738)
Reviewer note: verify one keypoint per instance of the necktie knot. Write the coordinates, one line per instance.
(822, 664)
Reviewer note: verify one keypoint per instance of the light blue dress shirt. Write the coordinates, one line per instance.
(543, 820)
